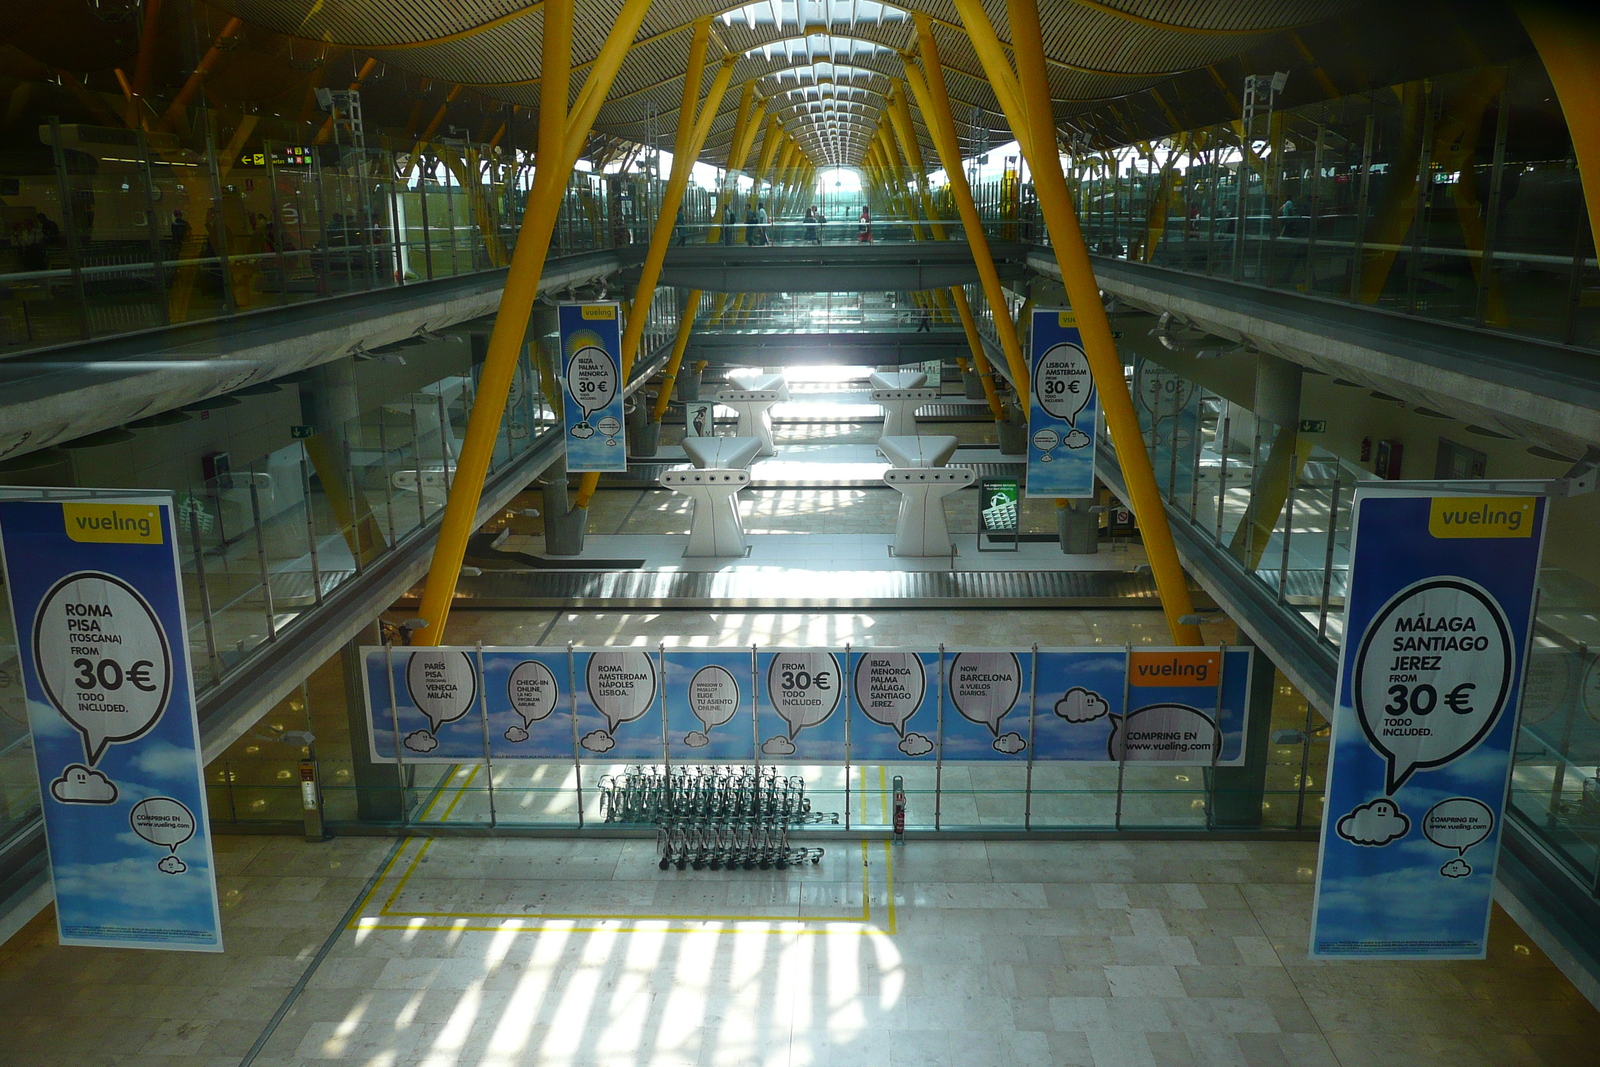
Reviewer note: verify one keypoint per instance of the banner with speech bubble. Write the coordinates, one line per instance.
(1437, 624)
(97, 603)
(801, 705)
(1168, 406)
(1062, 410)
(710, 704)
(894, 705)
(810, 705)
(591, 384)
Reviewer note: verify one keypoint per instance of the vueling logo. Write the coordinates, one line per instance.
(1479, 516)
(138, 524)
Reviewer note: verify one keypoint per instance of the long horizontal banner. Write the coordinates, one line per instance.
(814, 705)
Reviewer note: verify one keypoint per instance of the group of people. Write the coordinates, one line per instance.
(760, 230)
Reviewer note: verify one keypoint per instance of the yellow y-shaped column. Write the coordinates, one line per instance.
(744, 127)
(1036, 123)
(1568, 41)
(692, 132)
(558, 133)
(899, 109)
(934, 102)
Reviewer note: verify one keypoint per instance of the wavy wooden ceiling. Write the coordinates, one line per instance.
(1099, 51)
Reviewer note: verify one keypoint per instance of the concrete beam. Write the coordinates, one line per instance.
(1533, 390)
(68, 391)
(840, 268)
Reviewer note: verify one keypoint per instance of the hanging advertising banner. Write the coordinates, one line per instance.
(809, 705)
(1437, 623)
(1168, 406)
(97, 602)
(591, 383)
(1062, 411)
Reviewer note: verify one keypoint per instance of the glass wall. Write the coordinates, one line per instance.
(1455, 199)
(266, 542)
(256, 781)
(1280, 505)
(112, 230)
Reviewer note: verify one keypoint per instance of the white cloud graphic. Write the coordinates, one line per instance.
(1010, 744)
(915, 745)
(696, 739)
(80, 785)
(778, 746)
(598, 741)
(420, 741)
(516, 734)
(1376, 823)
(1081, 705)
(161, 760)
(172, 865)
(1075, 439)
(1456, 868)
(583, 430)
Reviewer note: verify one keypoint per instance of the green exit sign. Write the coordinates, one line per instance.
(1313, 425)
(300, 432)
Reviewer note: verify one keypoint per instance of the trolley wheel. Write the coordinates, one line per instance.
(815, 860)
(682, 864)
(781, 863)
(665, 863)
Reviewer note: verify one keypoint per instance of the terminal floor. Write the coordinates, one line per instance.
(458, 952)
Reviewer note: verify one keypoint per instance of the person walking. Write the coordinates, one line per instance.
(864, 226)
(811, 225)
(730, 219)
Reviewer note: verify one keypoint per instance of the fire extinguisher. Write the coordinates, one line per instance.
(899, 808)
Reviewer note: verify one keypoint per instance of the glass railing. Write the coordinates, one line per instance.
(1457, 199)
(256, 782)
(265, 544)
(1281, 511)
(792, 228)
(857, 312)
(130, 230)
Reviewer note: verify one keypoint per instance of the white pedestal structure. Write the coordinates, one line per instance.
(897, 379)
(900, 409)
(920, 529)
(748, 378)
(931, 451)
(715, 529)
(723, 453)
(754, 408)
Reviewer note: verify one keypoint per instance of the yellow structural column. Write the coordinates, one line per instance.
(1036, 119)
(749, 118)
(899, 109)
(1568, 42)
(521, 288)
(935, 106)
(686, 147)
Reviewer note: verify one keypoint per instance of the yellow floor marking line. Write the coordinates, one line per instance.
(465, 786)
(440, 790)
(606, 923)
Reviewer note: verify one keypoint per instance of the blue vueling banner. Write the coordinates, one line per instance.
(591, 382)
(97, 602)
(1063, 409)
(1437, 621)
